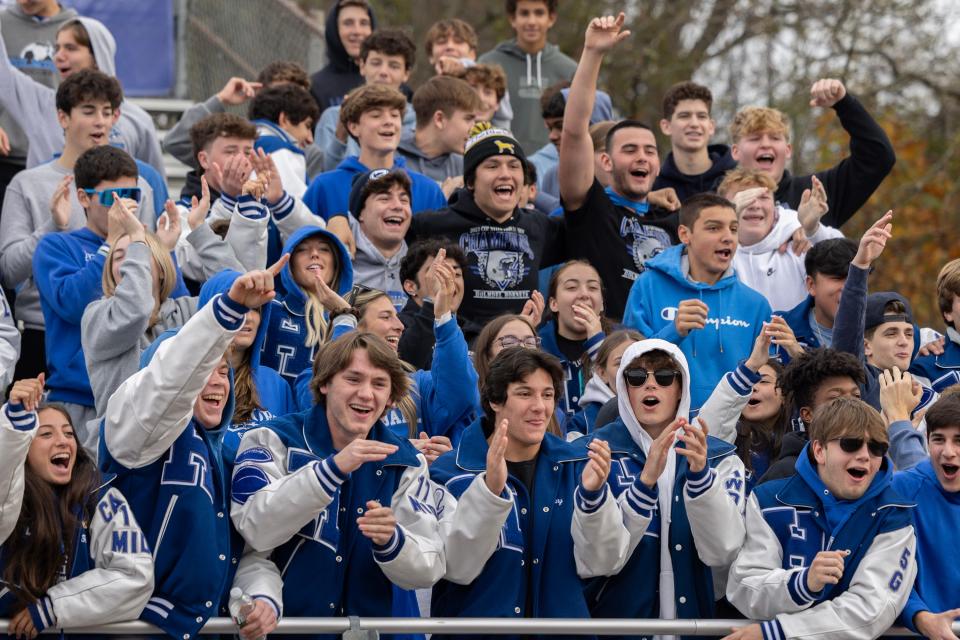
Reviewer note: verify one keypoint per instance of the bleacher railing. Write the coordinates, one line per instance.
(488, 626)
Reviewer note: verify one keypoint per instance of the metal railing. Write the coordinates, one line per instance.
(487, 626)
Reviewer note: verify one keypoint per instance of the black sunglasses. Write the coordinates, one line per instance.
(638, 377)
(852, 445)
(356, 291)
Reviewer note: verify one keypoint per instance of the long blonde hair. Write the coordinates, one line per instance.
(313, 311)
(161, 260)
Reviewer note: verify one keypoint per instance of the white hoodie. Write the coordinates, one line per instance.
(778, 276)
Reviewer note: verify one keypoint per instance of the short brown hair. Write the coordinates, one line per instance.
(490, 76)
(368, 97)
(220, 125)
(948, 287)
(944, 413)
(598, 134)
(741, 178)
(847, 417)
(284, 71)
(690, 210)
(515, 365)
(755, 119)
(685, 91)
(653, 360)
(511, 6)
(446, 94)
(390, 42)
(450, 27)
(335, 356)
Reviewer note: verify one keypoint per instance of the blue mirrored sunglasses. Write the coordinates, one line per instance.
(107, 196)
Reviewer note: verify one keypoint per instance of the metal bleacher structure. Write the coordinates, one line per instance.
(216, 40)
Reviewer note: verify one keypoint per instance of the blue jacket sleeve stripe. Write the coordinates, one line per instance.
(41, 612)
(391, 550)
(590, 501)
(698, 483)
(20, 418)
(282, 208)
(772, 630)
(250, 207)
(229, 314)
(642, 499)
(329, 475)
(742, 379)
(798, 588)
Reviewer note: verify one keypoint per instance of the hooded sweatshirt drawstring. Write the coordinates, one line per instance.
(539, 69)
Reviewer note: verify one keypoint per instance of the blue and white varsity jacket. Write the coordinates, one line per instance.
(172, 471)
(289, 498)
(519, 555)
(110, 576)
(787, 526)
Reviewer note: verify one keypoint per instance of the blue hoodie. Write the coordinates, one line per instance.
(736, 315)
(274, 393)
(329, 193)
(182, 502)
(574, 381)
(937, 512)
(284, 347)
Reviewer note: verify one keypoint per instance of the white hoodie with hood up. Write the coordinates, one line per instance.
(779, 277)
(715, 515)
(34, 107)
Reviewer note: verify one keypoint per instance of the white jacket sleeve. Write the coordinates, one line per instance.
(201, 253)
(9, 343)
(290, 214)
(722, 409)
(758, 585)
(247, 235)
(414, 557)
(715, 506)
(152, 407)
(258, 577)
(875, 597)
(269, 505)
(601, 541)
(120, 585)
(17, 428)
(292, 169)
(472, 530)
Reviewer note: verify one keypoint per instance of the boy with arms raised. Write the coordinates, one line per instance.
(761, 140)
(832, 550)
(693, 165)
(690, 296)
(614, 228)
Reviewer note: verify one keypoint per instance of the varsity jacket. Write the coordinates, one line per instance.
(171, 469)
(572, 370)
(288, 158)
(668, 574)
(289, 497)
(787, 525)
(940, 371)
(520, 555)
(110, 576)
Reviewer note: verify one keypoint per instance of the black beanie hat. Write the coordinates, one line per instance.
(486, 141)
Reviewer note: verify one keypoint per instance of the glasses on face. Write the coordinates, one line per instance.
(107, 196)
(852, 445)
(530, 342)
(638, 377)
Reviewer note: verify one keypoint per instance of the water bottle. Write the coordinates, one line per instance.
(241, 605)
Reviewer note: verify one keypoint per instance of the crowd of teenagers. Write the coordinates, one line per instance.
(466, 350)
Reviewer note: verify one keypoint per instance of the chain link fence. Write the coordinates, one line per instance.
(223, 38)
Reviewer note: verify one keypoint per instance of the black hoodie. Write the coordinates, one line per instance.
(341, 75)
(686, 185)
(503, 258)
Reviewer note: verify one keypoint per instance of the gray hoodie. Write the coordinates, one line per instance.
(9, 343)
(26, 218)
(527, 76)
(34, 107)
(372, 269)
(448, 165)
(30, 47)
(114, 329)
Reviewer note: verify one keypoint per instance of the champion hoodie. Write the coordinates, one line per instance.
(735, 317)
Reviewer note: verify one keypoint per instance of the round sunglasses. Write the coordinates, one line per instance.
(852, 445)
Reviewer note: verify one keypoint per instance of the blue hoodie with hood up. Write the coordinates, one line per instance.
(274, 393)
(735, 318)
(329, 193)
(284, 346)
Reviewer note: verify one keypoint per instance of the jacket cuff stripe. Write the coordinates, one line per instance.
(229, 314)
(250, 207)
(329, 475)
(699, 483)
(282, 208)
(590, 501)
(391, 550)
(742, 380)
(19, 417)
(772, 630)
(797, 586)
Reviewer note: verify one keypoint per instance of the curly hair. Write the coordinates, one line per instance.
(803, 376)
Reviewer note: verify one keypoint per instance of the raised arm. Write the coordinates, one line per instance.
(575, 172)
(18, 424)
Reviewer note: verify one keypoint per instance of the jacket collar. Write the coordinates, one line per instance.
(316, 435)
(472, 451)
(797, 493)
